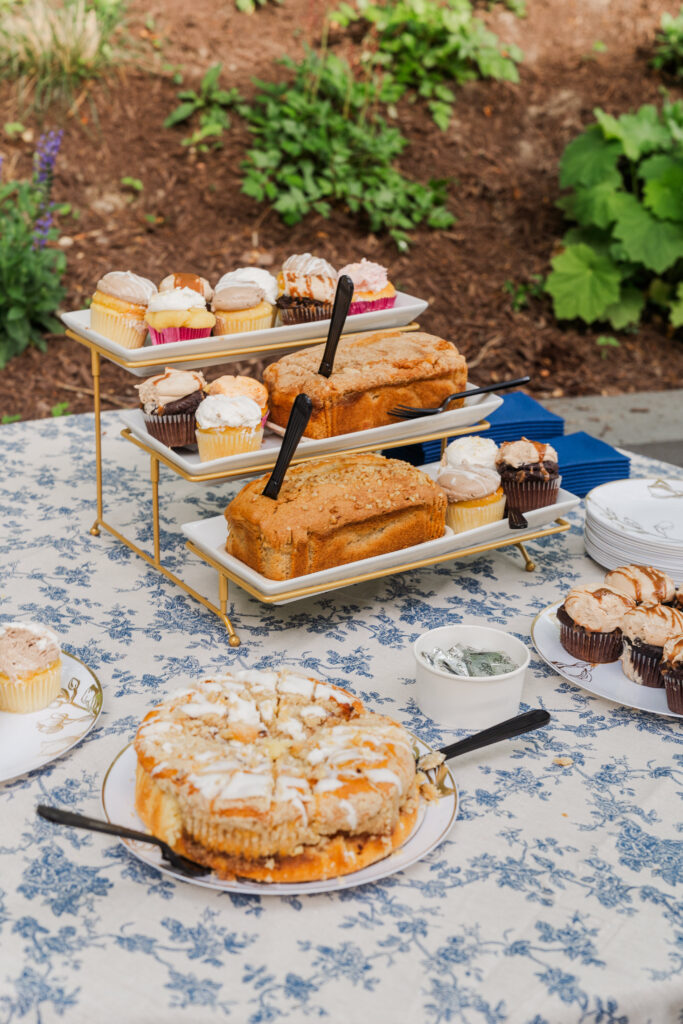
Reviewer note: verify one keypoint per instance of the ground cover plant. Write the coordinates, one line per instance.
(211, 104)
(30, 271)
(427, 48)
(624, 177)
(668, 50)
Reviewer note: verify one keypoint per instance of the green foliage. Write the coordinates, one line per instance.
(60, 409)
(249, 6)
(668, 55)
(605, 342)
(53, 46)
(428, 47)
(211, 103)
(319, 142)
(134, 184)
(624, 177)
(521, 291)
(10, 417)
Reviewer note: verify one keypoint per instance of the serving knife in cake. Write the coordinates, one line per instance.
(340, 311)
(302, 408)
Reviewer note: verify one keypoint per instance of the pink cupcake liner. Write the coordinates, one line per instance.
(264, 418)
(171, 334)
(370, 305)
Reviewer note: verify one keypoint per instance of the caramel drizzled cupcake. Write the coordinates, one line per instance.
(678, 598)
(307, 287)
(169, 402)
(671, 667)
(529, 474)
(590, 623)
(30, 667)
(645, 630)
(642, 584)
(193, 281)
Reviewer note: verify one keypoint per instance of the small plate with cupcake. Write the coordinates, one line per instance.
(621, 639)
(49, 700)
(249, 310)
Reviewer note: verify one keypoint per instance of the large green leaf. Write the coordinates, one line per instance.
(638, 133)
(627, 309)
(654, 243)
(583, 283)
(676, 308)
(664, 195)
(594, 206)
(589, 159)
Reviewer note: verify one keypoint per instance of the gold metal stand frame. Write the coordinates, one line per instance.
(224, 574)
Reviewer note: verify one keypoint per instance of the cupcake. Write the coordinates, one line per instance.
(169, 402)
(678, 598)
(244, 300)
(646, 629)
(529, 474)
(193, 281)
(228, 426)
(233, 386)
(671, 668)
(642, 584)
(468, 477)
(590, 623)
(307, 288)
(178, 315)
(30, 667)
(119, 305)
(371, 287)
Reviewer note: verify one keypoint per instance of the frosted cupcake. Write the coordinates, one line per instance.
(671, 668)
(307, 287)
(228, 426)
(371, 287)
(643, 584)
(178, 315)
(244, 300)
(242, 386)
(529, 474)
(590, 623)
(30, 667)
(646, 629)
(471, 483)
(169, 402)
(119, 305)
(193, 281)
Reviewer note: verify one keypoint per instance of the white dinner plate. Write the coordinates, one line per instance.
(612, 555)
(473, 411)
(645, 512)
(603, 680)
(200, 351)
(433, 824)
(209, 535)
(32, 740)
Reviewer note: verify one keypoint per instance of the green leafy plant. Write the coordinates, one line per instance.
(60, 409)
(668, 49)
(211, 103)
(54, 46)
(10, 417)
(319, 142)
(249, 6)
(521, 291)
(605, 342)
(134, 184)
(427, 48)
(624, 177)
(30, 271)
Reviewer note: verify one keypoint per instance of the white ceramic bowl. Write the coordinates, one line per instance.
(464, 702)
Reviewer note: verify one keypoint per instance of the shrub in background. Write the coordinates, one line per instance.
(30, 272)
(668, 55)
(624, 177)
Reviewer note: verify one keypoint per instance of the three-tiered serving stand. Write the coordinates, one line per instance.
(160, 357)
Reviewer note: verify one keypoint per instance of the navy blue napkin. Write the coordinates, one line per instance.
(587, 461)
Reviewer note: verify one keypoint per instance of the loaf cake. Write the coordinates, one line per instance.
(372, 374)
(275, 776)
(333, 511)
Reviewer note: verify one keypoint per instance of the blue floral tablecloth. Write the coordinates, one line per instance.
(555, 900)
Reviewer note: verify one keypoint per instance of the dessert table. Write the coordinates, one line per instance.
(554, 900)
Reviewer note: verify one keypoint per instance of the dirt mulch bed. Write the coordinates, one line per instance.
(501, 149)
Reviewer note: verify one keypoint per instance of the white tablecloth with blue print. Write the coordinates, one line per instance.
(555, 900)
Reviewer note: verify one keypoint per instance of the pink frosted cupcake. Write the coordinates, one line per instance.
(178, 315)
(372, 289)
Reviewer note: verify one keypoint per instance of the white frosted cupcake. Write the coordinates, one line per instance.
(227, 426)
(118, 307)
(244, 300)
(468, 477)
(30, 667)
(193, 281)
(178, 315)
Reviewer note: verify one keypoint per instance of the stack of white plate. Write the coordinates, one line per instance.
(637, 522)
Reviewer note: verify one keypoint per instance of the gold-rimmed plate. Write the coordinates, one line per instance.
(32, 740)
(606, 681)
(433, 825)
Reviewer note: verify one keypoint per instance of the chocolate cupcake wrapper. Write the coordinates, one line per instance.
(642, 668)
(175, 431)
(531, 494)
(305, 314)
(597, 648)
(673, 684)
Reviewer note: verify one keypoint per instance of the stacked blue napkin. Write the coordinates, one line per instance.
(587, 461)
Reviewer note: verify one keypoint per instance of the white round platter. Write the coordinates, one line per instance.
(611, 557)
(649, 511)
(602, 680)
(32, 740)
(433, 824)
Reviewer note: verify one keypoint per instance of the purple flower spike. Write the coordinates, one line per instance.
(45, 156)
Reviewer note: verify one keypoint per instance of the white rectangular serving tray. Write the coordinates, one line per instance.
(201, 352)
(473, 411)
(209, 535)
